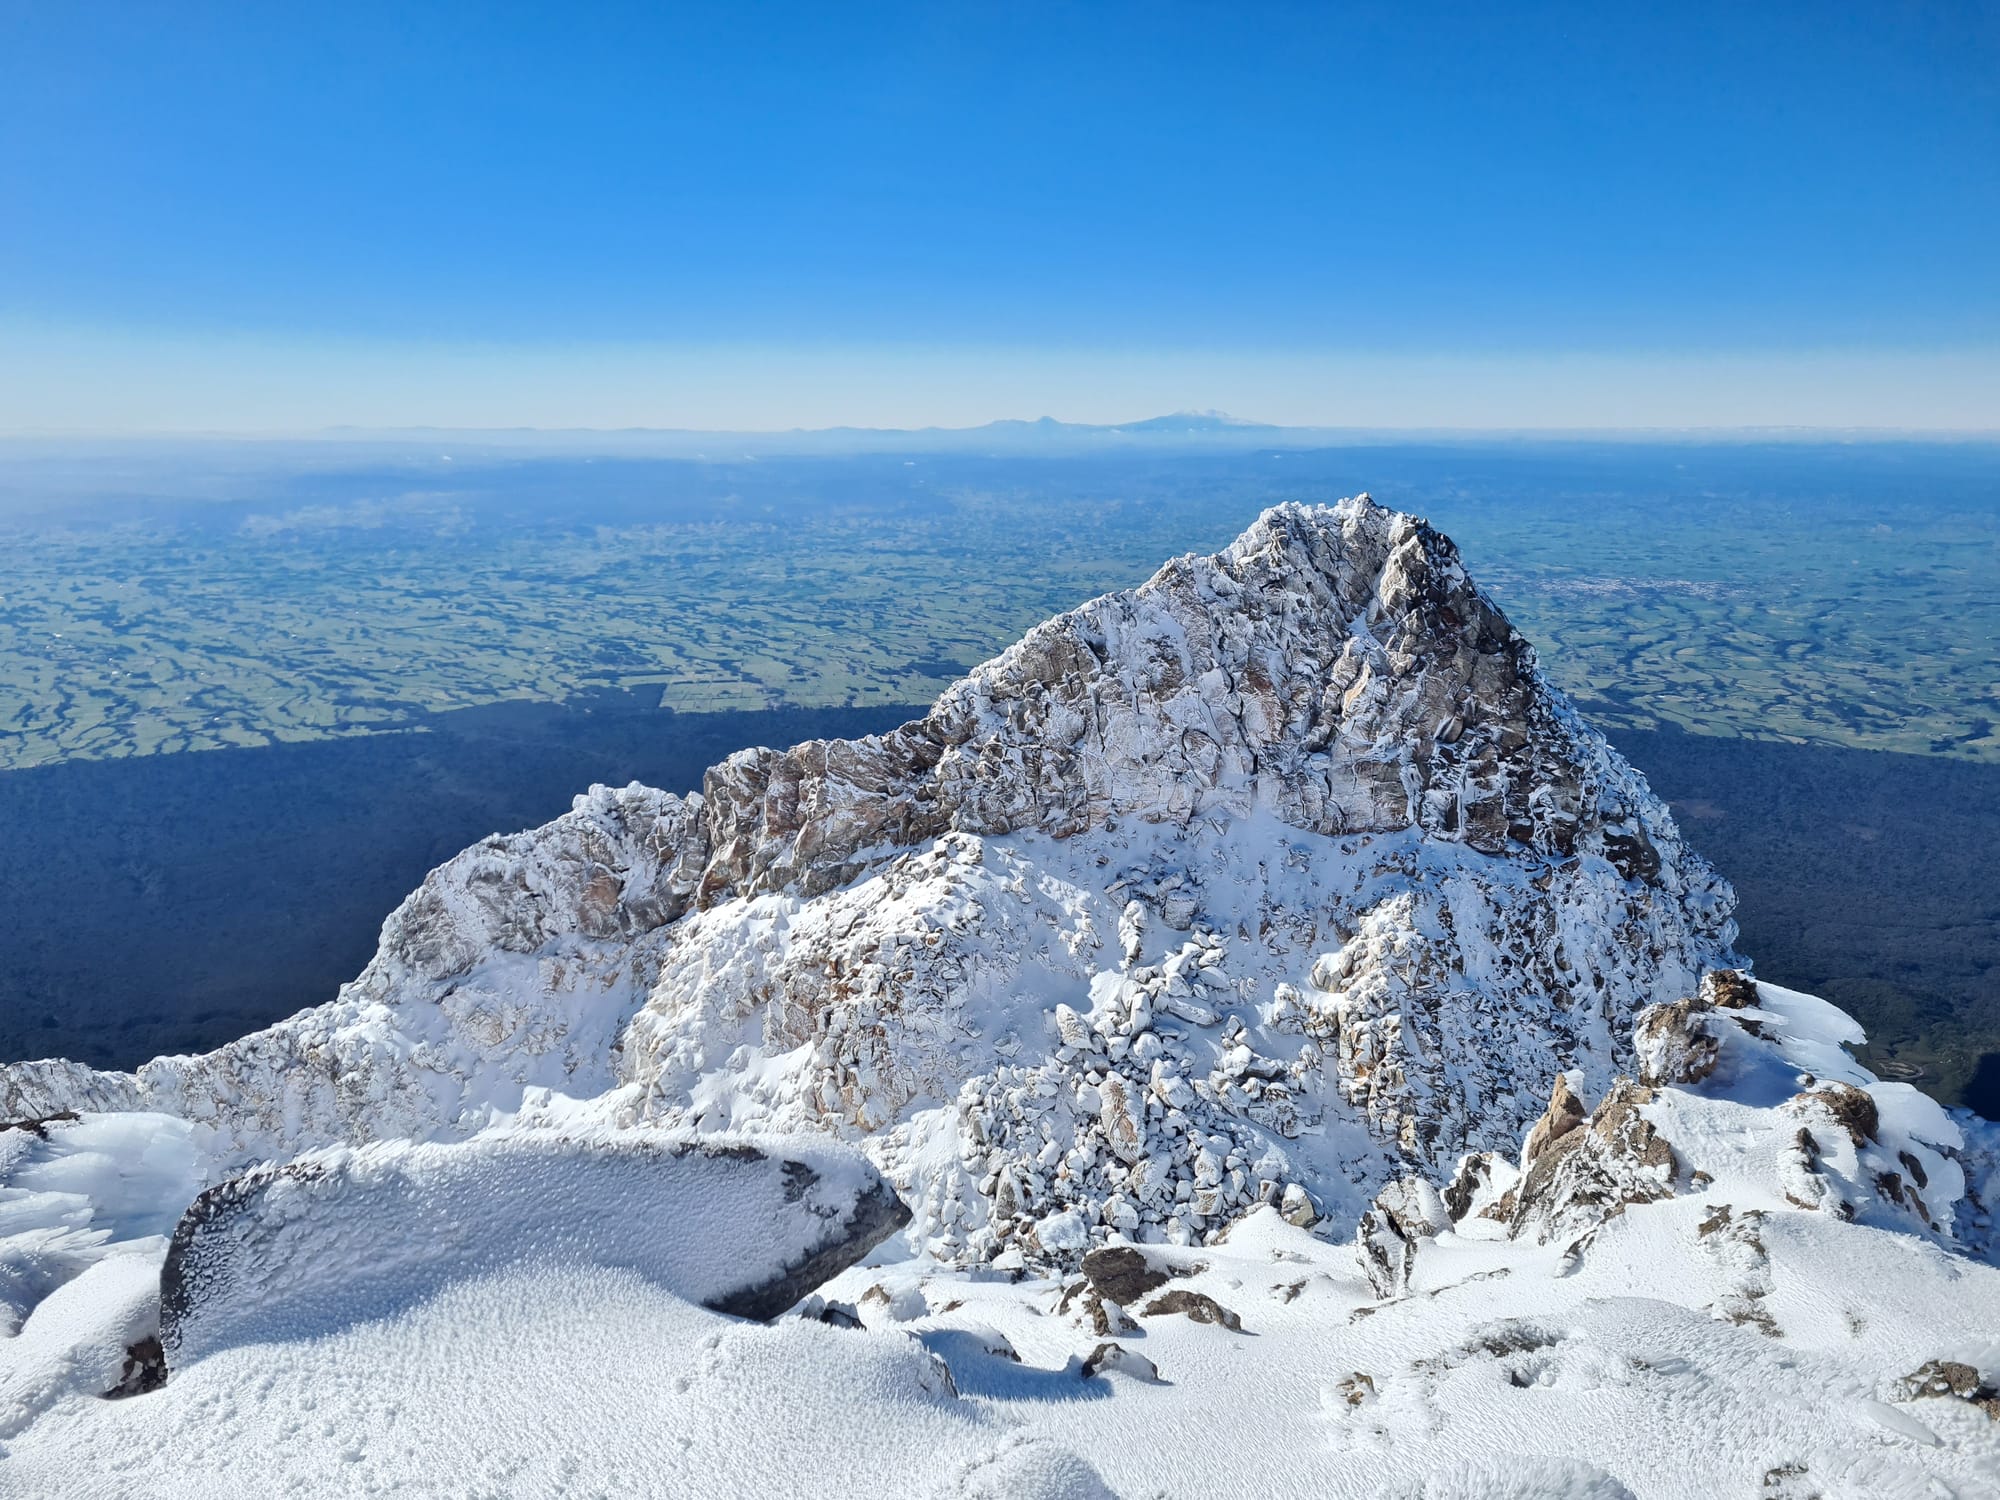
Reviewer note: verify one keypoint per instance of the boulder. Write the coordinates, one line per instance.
(352, 1234)
(1676, 1044)
(1196, 1306)
(1404, 1213)
(1123, 1274)
(1110, 1356)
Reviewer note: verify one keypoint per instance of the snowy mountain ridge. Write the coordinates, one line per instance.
(1472, 893)
(1279, 902)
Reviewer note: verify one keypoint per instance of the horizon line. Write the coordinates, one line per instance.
(1139, 428)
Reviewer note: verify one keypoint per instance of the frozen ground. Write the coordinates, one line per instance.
(1720, 1341)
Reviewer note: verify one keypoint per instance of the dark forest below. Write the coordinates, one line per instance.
(173, 903)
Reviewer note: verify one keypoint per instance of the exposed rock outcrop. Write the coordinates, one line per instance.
(1593, 1170)
(1678, 1043)
(1405, 1213)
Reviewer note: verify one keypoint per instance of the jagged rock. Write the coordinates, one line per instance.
(1482, 1184)
(1565, 1113)
(1404, 1213)
(1591, 1172)
(1675, 1044)
(1197, 1306)
(346, 1235)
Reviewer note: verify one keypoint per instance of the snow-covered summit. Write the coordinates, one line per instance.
(1279, 907)
(1300, 825)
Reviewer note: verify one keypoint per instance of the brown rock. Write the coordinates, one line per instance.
(1728, 989)
(1200, 1308)
(1588, 1175)
(1564, 1114)
(1675, 1043)
(1947, 1379)
(1853, 1109)
(1123, 1275)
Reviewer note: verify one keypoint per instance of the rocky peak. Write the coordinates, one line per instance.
(1155, 916)
(1335, 665)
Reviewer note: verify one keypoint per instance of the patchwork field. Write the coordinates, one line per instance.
(1847, 598)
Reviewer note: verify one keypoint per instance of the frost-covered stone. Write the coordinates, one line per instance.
(1676, 1043)
(1592, 1171)
(1109, 1356)
(1404, 1214)
(347, 1235)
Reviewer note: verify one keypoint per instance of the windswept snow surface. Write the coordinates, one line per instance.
(1275, 924)
(539, 1382)
(1496, 1374)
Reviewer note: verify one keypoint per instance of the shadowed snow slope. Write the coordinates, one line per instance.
(1277, 917)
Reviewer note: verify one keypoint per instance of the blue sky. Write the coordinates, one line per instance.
(254, 215)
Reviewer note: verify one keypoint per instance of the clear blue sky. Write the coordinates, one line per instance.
(313, 187)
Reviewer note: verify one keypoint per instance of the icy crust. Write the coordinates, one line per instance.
(549, 1381)
(77, 1191)
(350, 1234)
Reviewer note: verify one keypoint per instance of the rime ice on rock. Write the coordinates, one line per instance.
(1269, 881)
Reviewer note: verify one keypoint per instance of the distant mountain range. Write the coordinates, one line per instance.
(1174, 431)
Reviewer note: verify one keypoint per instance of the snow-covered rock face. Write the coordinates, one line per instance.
(1336, 666)
(1283, 868)
(1285, 871)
